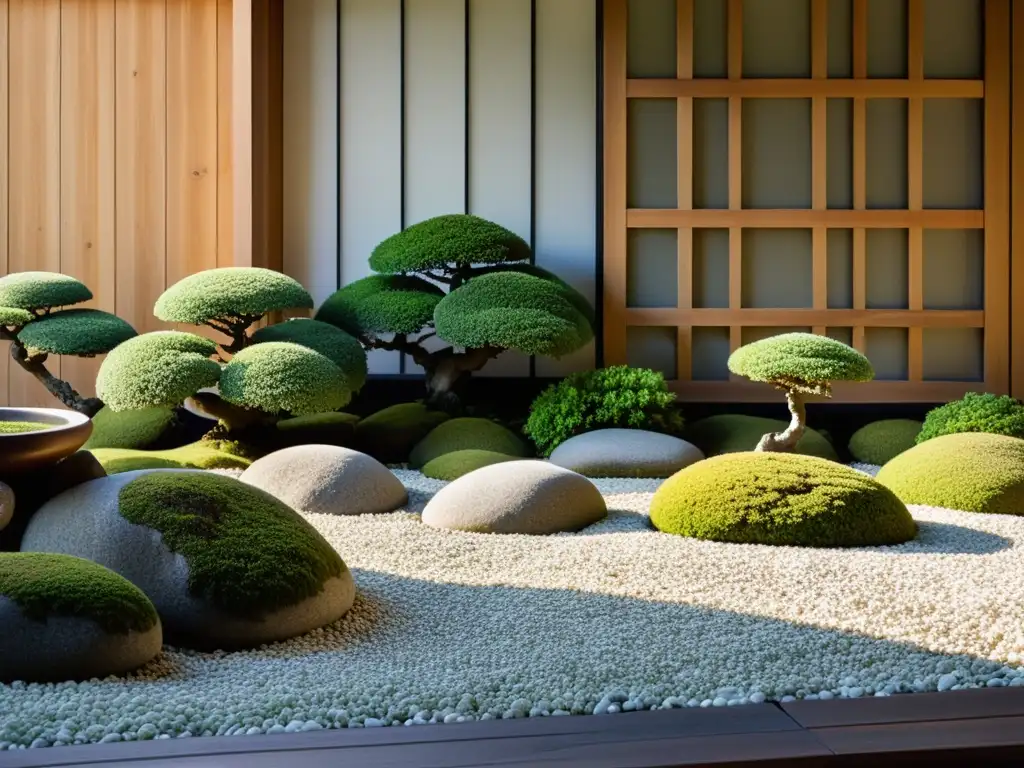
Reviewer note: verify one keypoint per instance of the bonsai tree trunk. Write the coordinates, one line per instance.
(60, 389)
(446, 368)
(786, 440)
(233, 418)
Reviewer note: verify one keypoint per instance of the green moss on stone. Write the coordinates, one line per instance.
(453, 240)
(969, 471)
(44, 585)
(230, 293)
(129, 429)
(780, 499)
(82, 332)
(734, 433)
(452, 466)
(331, 342)
(248, 554)
(382, 304)
(463, 434)
(41, 290)
(880, 441)
(199, 455)
(18, 427)
(389, 435)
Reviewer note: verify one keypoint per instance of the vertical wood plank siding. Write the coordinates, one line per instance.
(117, 117)
(399, 110)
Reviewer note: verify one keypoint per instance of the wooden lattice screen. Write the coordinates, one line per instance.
(989, 321)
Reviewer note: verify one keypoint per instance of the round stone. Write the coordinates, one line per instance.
(527, 496)
(625, 453)
(327, 479)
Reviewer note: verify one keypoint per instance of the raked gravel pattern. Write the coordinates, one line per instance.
(453, 626)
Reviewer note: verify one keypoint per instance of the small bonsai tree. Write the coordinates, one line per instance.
(31, 319)
(618, 396)
(799, 364)
(496, 301)
(295, 368)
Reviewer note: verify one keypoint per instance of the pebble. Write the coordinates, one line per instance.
(947, 682)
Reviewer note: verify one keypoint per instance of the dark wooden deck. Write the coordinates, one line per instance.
(920, 729)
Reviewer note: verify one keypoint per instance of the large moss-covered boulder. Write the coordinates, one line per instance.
(65, 618)
(880, 441)
(464, 434)
(625, 453)
(136, 429)
(970, 471)
(226, 565)
(327, 479)
(526, 496)
(782, 499)
(198, 455)
(389, 435)
(452, 466)
(734, 433)
(331, 428)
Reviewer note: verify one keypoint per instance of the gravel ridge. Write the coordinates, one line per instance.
(451, 626)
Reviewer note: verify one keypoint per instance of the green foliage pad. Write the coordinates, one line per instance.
(41, 290)
(378, 304)
(247, 553)
(82, 332)
(228, 293)
(800, 361)
(454, 240)
(44, 584)
(781, 499)
(333, 343)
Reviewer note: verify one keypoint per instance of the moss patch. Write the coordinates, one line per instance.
(880, 441)
(735, 433)
(247, 553)
(44, 584)
(970, 471)
(18, 427)
(199, 455)
(389, 435)
(128, 429)
(452, 466)
(780, 499)
(464, 434)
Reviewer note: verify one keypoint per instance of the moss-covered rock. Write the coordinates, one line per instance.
(452, 466)
(333, 428)
(198, 455)
(19, 427)
(64, 617)
(880, 441)
(389, 435)
(780, 499)
(734, 433)
(463, 434)
(135, 429)
(226, 565)
(969, 471)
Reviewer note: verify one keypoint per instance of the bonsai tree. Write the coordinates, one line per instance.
(32, 319)
(799, 364)
(295, 368)
(496, 300)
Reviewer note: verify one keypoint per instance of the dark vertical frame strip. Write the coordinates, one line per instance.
(533, 150)
(466, 107)
(599, 192)
(339, 190)
(402, 134)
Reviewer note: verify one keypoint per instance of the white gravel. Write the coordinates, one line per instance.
(454, 626)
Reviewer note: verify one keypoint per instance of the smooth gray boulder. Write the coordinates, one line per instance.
(625, 453)
(85, 521)
(327, 479)
(529, 496)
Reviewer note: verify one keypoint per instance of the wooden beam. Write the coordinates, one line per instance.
(614, 328)
(803, 88)
(257, 64)
(832, 318)
(1017, 220)
(785, 218)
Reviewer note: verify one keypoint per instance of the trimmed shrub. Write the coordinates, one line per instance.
(975, 412)
(129, 429)
(880, 441)
(968, 471)
(331, 342)
(780, 499)
(463, 434)
(736, 433)
(619, 396)
(382, 304)
(389, 435)
(452, 466)
(226, 295)
(81, 332)
(35, 291)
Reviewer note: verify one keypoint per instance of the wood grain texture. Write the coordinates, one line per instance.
(225, 153)
(34, 161)
(614, 326)
(1017, 226)
(767, 218)
(806, 88)
(4, 55)
(87, 141)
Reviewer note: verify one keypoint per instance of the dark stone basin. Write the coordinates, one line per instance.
(25, 451)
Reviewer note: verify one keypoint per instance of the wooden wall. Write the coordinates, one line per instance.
(115, 153)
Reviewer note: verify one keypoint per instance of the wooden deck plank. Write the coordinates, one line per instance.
(626, 727)
(932, 737)
(909, 708)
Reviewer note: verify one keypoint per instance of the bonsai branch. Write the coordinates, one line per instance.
(233, 417)
(235, 328)
(36, 365)
(787, 440)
